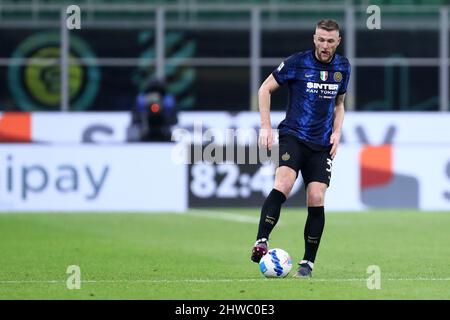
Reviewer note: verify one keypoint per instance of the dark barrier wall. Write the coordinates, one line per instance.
(113, 86)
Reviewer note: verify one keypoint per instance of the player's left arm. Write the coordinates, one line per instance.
(337, 124)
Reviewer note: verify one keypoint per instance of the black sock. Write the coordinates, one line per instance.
(313, 231)
(270, 213)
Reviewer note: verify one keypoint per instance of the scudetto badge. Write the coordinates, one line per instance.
(285, 156)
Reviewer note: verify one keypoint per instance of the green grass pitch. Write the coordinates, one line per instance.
(205, 254)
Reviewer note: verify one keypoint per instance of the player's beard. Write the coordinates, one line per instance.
(324, 58)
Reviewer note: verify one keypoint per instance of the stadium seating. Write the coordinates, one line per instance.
(275, 15)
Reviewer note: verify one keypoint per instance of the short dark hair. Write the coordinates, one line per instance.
(328, 25)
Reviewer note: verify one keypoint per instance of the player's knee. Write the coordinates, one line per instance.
(315, 198)
(283, 187)
(284, 180)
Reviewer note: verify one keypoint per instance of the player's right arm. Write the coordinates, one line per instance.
(264, 95)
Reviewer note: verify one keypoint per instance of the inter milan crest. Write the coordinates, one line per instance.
(337, 76)
(323, 75)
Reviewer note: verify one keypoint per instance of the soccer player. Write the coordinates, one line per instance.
(308, 136)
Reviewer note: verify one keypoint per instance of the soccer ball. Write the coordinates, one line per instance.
(275, 264)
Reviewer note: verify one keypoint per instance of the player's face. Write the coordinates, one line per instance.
(326, 43)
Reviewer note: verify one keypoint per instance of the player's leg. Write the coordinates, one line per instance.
(285, 177)
(317, 178)
(315, 223)
(270, 212)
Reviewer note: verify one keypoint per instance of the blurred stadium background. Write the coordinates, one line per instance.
(86, 117)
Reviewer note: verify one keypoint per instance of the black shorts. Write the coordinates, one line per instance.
(315, 165)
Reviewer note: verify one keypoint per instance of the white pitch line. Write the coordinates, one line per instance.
(220, 215)
(212, 280)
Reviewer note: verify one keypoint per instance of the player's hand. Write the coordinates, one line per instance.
(266, 137)
(334, 140)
